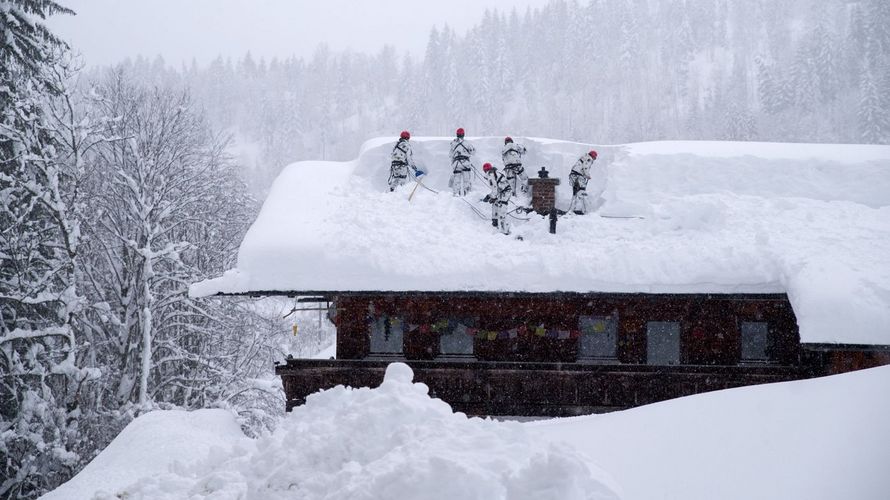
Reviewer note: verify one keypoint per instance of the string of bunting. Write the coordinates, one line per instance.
(443, 325)
(512, 333)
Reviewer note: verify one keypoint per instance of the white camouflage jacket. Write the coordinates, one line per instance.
(512, 153)
(501, 190)
(402, 154)
(461, 150)
(581, 167)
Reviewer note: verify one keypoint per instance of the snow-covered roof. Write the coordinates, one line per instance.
(812, 220)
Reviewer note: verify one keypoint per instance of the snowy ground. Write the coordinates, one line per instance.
(150, 445)
(816, 439)
(329, 352)
(809, 219)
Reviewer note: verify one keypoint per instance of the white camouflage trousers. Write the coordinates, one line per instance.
(499, 216)
(398, 175)
(461, 177)
(517, 178)
(579, 194)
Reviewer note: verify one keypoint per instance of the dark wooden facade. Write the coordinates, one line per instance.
(526, 373)
(832, 359)
(709, 323)
(533, 388)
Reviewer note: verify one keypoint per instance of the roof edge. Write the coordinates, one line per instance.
(328, 294)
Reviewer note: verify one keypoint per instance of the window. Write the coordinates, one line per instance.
(663, 343)
(598, 334)
(455, 338)
(387, 333)
(755, 340)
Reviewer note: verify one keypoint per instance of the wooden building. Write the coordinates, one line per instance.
(538, 335)
(560, 354)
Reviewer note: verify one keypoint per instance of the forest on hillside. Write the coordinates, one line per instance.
(600, 72)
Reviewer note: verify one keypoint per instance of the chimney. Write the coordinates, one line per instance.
(543, 192)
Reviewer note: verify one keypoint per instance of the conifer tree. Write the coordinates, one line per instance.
(39, 239)
(873, 118)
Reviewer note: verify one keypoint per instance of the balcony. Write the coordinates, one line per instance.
(533, 389)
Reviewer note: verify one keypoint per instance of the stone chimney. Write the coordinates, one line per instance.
(543, 192)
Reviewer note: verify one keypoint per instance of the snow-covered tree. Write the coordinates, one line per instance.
(97, 326)
(169, 209)
(112, 200)
(598, 70)
(873, 109)
(39, 242)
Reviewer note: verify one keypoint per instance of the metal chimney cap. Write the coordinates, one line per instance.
(543, 174)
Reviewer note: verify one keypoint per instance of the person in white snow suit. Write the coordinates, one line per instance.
(402, 157)
(512, 155)
(461, 167)
(578, 178)
(501, 191)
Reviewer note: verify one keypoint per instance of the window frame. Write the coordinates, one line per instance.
(767, 347)
(679, 342)
(372, 327)
(467, 323)
(611, 328)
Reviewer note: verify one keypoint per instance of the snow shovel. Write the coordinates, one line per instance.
(417, 175)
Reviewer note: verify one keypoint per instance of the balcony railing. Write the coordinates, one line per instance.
(533, 389)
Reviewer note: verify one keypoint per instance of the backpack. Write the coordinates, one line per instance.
(455, 153)
(512, 148)
(399, 153)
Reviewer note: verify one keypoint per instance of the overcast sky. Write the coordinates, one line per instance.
(107, 31)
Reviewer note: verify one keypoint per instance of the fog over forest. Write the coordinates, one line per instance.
(601, 72)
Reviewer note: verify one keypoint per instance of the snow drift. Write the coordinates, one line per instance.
(150, 445)
(390, 442)
(812, 220)
(824, 438)
(816, 439)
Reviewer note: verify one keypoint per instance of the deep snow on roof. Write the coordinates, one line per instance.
(812, 220)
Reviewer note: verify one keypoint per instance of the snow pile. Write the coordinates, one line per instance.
(812, 220)
(817, 439)
(390, 442)
(149, 445)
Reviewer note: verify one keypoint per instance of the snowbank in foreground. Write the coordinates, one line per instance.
(150, 445)
(391, 442)
(815, 439)
(824, 438)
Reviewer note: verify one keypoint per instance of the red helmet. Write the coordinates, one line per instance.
(460, 132)
(487, 167)
(508, 140)
(405, 135)
(592, 154)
